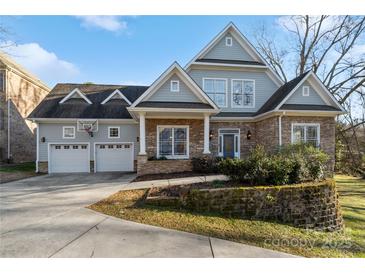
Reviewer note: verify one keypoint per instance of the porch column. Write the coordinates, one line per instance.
(142, 133)
(206, 134)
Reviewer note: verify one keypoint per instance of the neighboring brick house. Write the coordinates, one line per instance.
(20, 93)
(224, 102)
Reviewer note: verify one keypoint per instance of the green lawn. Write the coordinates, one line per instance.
(308, 243)
(24, 167)
(9, 173)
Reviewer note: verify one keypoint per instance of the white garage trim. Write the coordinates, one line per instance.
(65, 143)
(113, 143)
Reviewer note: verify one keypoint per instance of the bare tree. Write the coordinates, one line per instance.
(5, 35)
(334, 48)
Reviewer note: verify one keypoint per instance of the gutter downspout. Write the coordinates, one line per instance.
(8, 97)
(280, 135)
(37, 148)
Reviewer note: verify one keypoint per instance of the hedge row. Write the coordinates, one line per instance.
(292, 164)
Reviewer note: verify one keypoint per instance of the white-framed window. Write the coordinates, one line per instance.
(113, 132)
(306, 133)
(68, 132)
(175, 86)
(216, 88)
(173, 142)
(305, 91)
(243, 93)
(229, 41)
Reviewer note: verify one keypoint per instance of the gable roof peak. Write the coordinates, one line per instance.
(184, 77)
(74, 91)
(121, 96)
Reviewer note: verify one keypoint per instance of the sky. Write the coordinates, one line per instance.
(115, 49)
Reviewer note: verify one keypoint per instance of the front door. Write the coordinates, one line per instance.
(228, 145)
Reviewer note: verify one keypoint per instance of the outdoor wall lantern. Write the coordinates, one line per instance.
(43, 139)
(210, 134)
(137, 139)
(248, 135)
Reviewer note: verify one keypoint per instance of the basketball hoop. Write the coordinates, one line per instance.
(89, 125)
(89, 130)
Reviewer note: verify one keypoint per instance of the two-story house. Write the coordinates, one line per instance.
(20, 93)
(224, 102)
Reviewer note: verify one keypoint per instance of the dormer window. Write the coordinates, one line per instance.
(229, 41)
(175, 86)
(305, 91)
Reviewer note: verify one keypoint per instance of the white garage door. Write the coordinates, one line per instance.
(69, 158)
(114, 157)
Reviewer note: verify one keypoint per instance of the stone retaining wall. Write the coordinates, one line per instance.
(311, 205)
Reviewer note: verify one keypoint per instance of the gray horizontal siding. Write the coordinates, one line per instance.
(264, 86)
(312, 99)
(164, 93)
(53, 134)
(221, 51)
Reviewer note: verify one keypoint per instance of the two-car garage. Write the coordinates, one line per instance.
(76, 157)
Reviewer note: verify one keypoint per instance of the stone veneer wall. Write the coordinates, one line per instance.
(163, 166)
(264, 132)
(327, 134)
(267, 132)
(43, 167)
(311, 205)
(25, 96)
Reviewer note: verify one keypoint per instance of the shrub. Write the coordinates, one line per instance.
(235, 169)
(279, 170)
(309, 161)
(293, 164)
(205, 164)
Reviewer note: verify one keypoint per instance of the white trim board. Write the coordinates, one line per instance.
(121, 95)
(175, 68)
(76, 90)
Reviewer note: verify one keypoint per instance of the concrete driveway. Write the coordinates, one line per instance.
(46, 217)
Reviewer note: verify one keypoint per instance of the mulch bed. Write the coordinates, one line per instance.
(167, 176)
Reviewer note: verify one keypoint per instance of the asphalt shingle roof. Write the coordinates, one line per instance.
(308, 107)
(280, 94)
(117, 109)
(78, 108)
